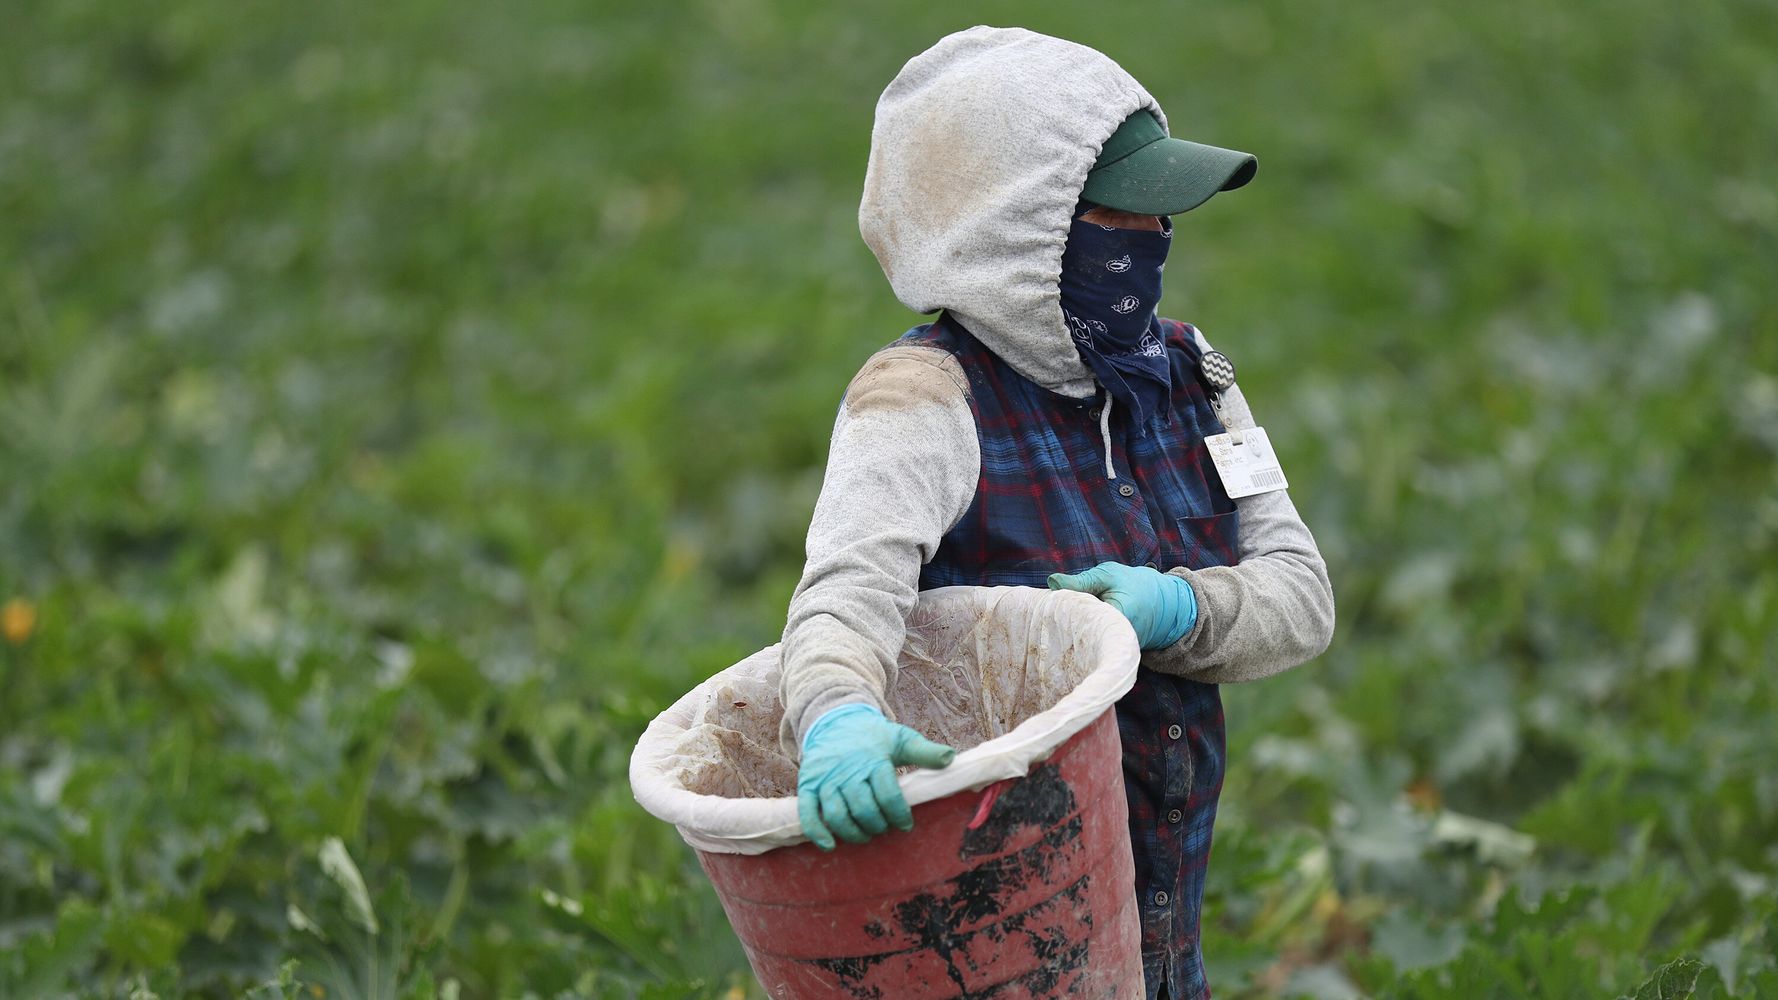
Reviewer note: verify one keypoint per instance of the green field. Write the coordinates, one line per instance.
(401, 403)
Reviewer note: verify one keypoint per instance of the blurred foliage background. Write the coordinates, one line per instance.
(400, 403)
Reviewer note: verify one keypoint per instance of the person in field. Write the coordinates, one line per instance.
(1047, 428)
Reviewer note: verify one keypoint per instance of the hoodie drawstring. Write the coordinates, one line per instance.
(1105, 435)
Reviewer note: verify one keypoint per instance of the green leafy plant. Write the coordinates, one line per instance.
(401, 404)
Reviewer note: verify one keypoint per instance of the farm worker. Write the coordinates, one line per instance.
(1047, 428)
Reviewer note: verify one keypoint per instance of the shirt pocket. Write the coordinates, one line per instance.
(1209, 540)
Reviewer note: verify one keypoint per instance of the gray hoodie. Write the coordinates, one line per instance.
(979, 152)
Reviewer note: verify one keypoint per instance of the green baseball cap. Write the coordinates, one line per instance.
(1141, 169)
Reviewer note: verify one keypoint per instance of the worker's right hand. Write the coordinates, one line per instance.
(847, 781)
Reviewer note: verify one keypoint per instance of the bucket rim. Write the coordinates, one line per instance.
(722, 825)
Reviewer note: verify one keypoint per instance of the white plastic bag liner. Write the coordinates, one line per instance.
(1004, 674)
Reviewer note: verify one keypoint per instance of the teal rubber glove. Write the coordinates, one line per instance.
(1161, 607)
(847, 781)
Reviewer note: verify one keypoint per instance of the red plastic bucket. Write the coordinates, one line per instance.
(1025, 890)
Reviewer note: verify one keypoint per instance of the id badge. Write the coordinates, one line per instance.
(1246, 462)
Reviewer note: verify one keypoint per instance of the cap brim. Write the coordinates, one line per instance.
(1168, 176)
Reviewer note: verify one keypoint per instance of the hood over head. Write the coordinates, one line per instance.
(980, 149)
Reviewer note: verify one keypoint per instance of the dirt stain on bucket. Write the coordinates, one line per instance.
(1041, 798)
(1055, 931)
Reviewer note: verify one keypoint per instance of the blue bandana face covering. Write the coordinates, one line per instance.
(1111, 281)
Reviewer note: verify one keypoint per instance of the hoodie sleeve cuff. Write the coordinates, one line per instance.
(826, 702)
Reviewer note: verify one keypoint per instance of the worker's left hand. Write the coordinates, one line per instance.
(1161, 607)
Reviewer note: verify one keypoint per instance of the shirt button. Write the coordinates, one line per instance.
(1174, 815)
(1160, 898)
(1125, 490)
(1174, 732)
(1151, 565)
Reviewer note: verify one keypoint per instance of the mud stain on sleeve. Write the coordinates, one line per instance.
(900, 378)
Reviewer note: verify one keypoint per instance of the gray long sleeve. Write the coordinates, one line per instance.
(1272, 610)
(901, 471)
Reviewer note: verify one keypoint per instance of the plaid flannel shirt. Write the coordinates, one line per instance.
(1044, 504)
